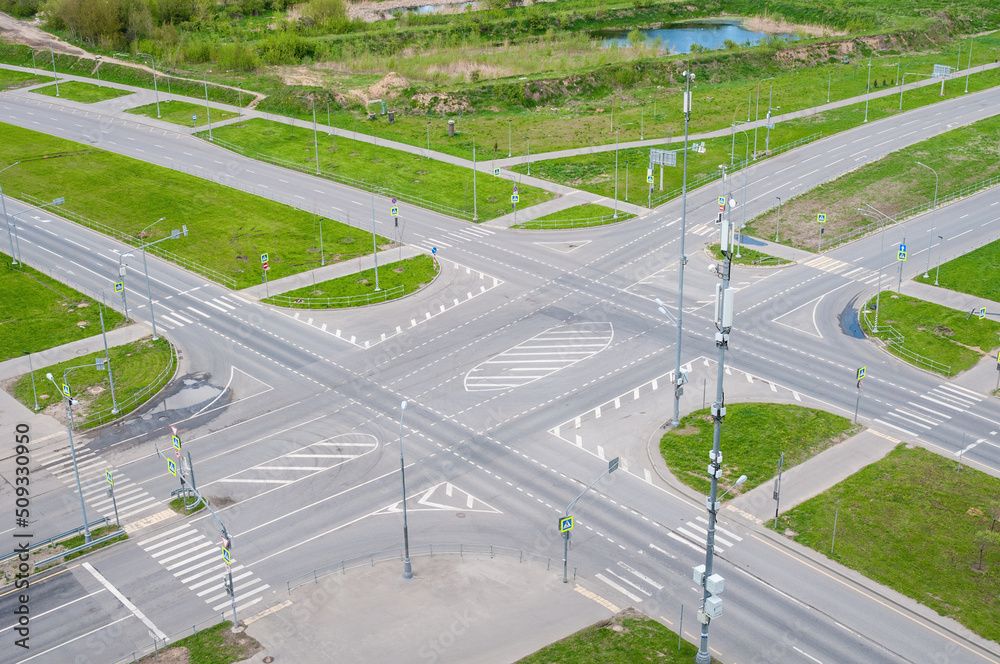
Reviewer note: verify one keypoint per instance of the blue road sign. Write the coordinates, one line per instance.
(119, 286)
(649, 179)
(172, 467)
(226, 556)
(496, 171)
(434, 250)
(263, 258)
(861, 372)
(394, 211)
(565, 524)
(65, 389)
(194, 118)
(901, 254)
(109, 477)
(514, 198)
(394, 201)
(982, 314)
(821, 218)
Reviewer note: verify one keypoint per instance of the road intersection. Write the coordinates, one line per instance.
(294, 430)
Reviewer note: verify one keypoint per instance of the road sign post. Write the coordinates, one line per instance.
(566, 522)
(857, 404)
(111, 494)
(264, 268)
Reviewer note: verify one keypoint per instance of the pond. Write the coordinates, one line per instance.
(434, 9)
(678, 37)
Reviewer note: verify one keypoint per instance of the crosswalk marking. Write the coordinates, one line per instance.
(951, 397)
(632, 596)
(834, 266)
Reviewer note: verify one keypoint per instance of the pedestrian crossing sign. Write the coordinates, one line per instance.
(565, 524)
(982, 313)
(649, 179)
(821, 218)
(226, 556)
(514, 198)
(263, 258)
(861, 372)
(109, 477)
(172, 467)
(65, 389)
(119, 286)
(394, 211)
(901, 255)
(496, 171)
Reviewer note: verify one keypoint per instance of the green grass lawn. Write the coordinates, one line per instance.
(96, 533)
(910, 521)
(753, 437)
(85, 93)
(229, 229)
(749, 257)
(215, 645)
(411, 178)
(181, 113)
(134, 366)
(358, 289)
(10, 78)
(935, 332)
(895, 183)
(973, 273)
(578, 216)
(37, 312)
(639, 640)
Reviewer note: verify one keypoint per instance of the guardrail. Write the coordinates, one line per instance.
(133, 401)
(950, 197)
(335, 302)
(737, 165)
(894, 344)
(369, 559)
(159, 644)
(82, 547)
(550, 224)
(56, 538)
(128, 239)
(364, 185)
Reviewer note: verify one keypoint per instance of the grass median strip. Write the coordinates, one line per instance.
(10, 79)
(229, 229)
(85, 93)
(930, 331)
(748, 257)
(38, 312)
(895, 183)
(755, 435)
(915, 523)
(395, 280)
(215, 645)
(181, 113)
(365, 165)
(578, 216)
(973, 273)
(140, 367)
(628, 637)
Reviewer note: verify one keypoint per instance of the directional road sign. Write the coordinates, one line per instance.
(119, 286)
(821, 217)
(434, 250)
(172, 467)
(901, 254)
(565, 524)
(394, 211)
(109, 477)
(263, 258)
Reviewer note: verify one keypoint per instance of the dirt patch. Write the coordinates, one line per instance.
(389, 87)
(30, 34)
(944, 331)
(241, 644)
(442, 103)
(771, 26)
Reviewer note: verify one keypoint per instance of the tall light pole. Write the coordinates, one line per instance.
(55, 75)
(617, 129)
(930, 240)
(757, 114)
(679, 377)
(475, 201)
(156, 89)
(208, 109)
(69, 429)
(31, 370)
(174, 234)
(711, 606)
(868, 87)
(407, 569)
(968, 67)
(107, 355)
(6, 219)
(937, 272)
(508, 138)
(97, 69)
(528, 157)
(428, 139)
(612, 467)
(374, 243)
(315, 135)
(881, 260)
(121, 275)
(777, 225)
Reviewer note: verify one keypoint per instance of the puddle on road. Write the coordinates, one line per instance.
(849, 321)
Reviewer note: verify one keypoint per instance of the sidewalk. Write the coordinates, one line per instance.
(332, 271)
(454, 610)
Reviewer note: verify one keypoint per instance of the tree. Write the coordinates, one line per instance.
(994, 511)
(985, 540)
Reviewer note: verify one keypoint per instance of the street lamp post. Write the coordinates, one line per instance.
(968, 67)
(428, 139)
(121, 274)
(930, 240)
(208, 109)
(374, 243)
(475, 200)
(72, 449)
(55, 74)
(315, 135)
(174, 234)
(757, 114)
(3, 204)
(881, 260)
(508, 138)
(868, 87)
(777, 225)
(97, 68)
(31, 370)
(617, 129)
(407, 569)
(107, 356)
(937, 271)
(612, 467)
(156, 90)
(528, 157)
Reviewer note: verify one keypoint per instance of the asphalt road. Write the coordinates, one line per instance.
(294, 433)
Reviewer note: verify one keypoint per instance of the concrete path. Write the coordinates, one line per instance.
(455, 609)
(332, 271)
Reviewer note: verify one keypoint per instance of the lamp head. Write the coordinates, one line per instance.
(402, 406)
(741, 480)
(49, 376)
